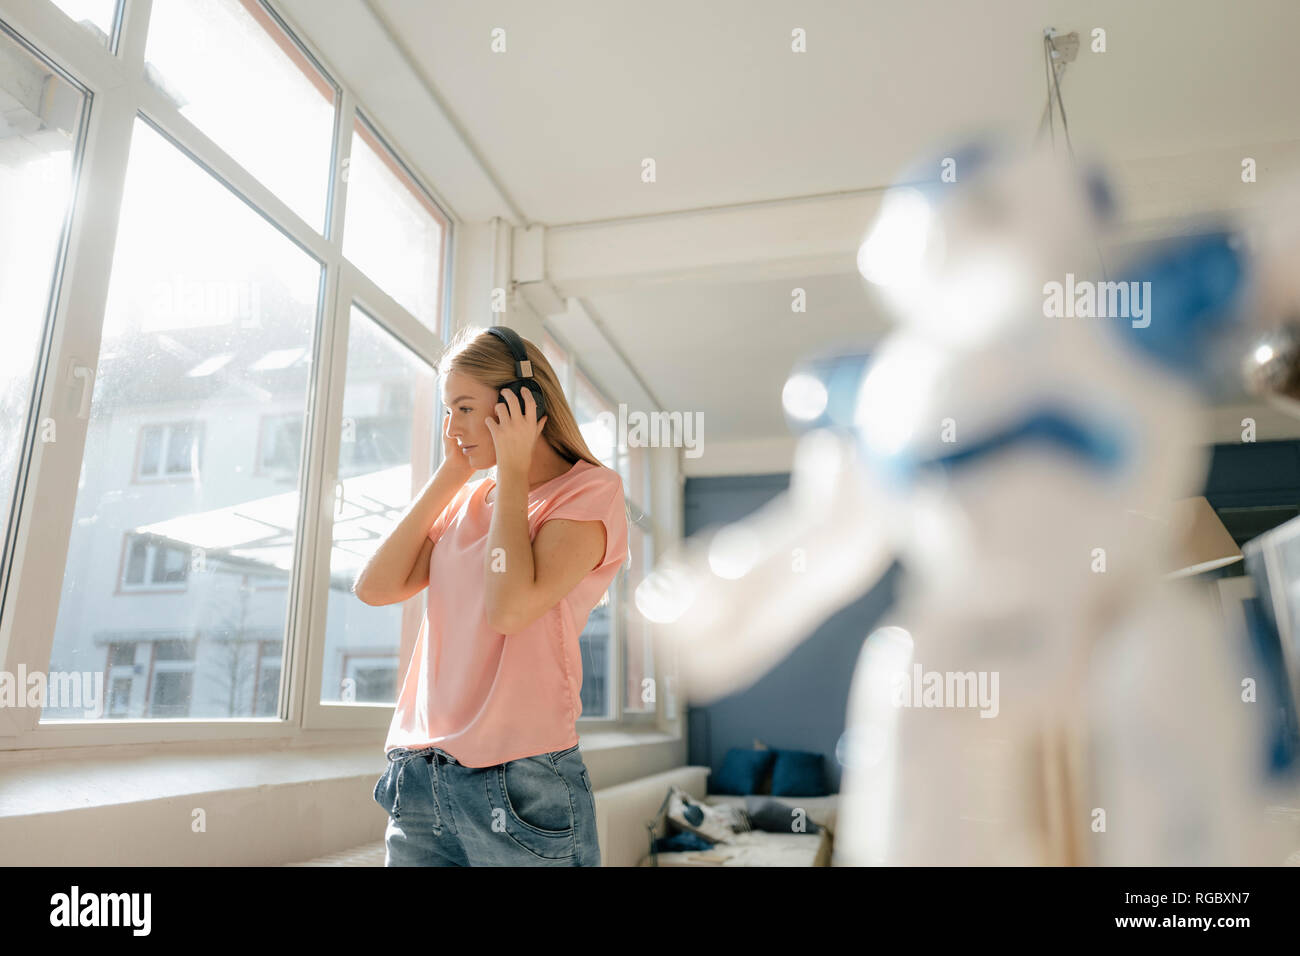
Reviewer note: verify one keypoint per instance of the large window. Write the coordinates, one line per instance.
(394, 232)
(197, 519)
(40, 122)
(216, 398)
(240, 79)
(618, 619)
(642, 691)
(385, 457)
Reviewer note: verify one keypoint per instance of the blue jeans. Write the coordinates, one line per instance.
(534, 811)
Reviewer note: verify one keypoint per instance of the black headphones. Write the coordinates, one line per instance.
(523, 369)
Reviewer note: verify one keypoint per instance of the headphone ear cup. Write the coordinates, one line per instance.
(537, 394)
(518, 387)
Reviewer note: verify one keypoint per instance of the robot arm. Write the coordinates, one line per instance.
(731, 603)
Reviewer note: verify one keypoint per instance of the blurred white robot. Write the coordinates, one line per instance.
(1043, 694)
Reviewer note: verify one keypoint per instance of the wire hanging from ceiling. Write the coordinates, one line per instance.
(1054, 64)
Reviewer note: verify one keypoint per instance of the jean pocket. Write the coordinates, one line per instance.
(537, 804)
(559, 755)
(385, 792)
(536, 796)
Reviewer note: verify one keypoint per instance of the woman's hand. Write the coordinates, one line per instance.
(454, 461)
(514, 432)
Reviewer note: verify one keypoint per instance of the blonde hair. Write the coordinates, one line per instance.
(475, 352)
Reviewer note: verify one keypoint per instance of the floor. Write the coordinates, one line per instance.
(368, 854)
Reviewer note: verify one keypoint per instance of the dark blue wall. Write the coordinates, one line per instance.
(1253, 487)
(801, 703)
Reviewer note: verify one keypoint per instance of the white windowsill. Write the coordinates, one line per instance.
(613, 739)
(45, 782)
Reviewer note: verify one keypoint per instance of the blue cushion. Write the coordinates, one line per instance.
(741, 771)
(682, 842)
(798, 773)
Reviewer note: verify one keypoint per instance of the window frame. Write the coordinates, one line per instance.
(620, 604)
(357, 289)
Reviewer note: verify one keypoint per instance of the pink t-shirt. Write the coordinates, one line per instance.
(488, 698)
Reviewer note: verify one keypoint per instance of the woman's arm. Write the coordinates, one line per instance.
(518, 589)
(526, 578)
(399, 568)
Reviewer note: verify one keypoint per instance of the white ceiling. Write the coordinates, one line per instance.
(586, 90)
(725, 349)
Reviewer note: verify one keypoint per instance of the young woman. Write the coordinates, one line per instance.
(484, 767)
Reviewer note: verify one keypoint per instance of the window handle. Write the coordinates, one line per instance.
(87, 376)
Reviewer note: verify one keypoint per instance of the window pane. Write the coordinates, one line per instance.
(588, 403)
(119, 697)
(385, 457)
(594, 644)
(281, 446)
(635, 480)
(268, 679)
(374, 682)
(151, 451)
(182, 452)
(40, 116)
(170, 565)
(173, 651)
(171, 693)
(235, 75)
(137, 560)
(638, 657)
(94, 15)
(392, 231)
(125, 678)
(182, 235)
(558, 357)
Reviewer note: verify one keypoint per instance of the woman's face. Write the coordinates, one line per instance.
(467, 405)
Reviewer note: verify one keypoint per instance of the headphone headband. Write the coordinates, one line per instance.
(523, 367)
